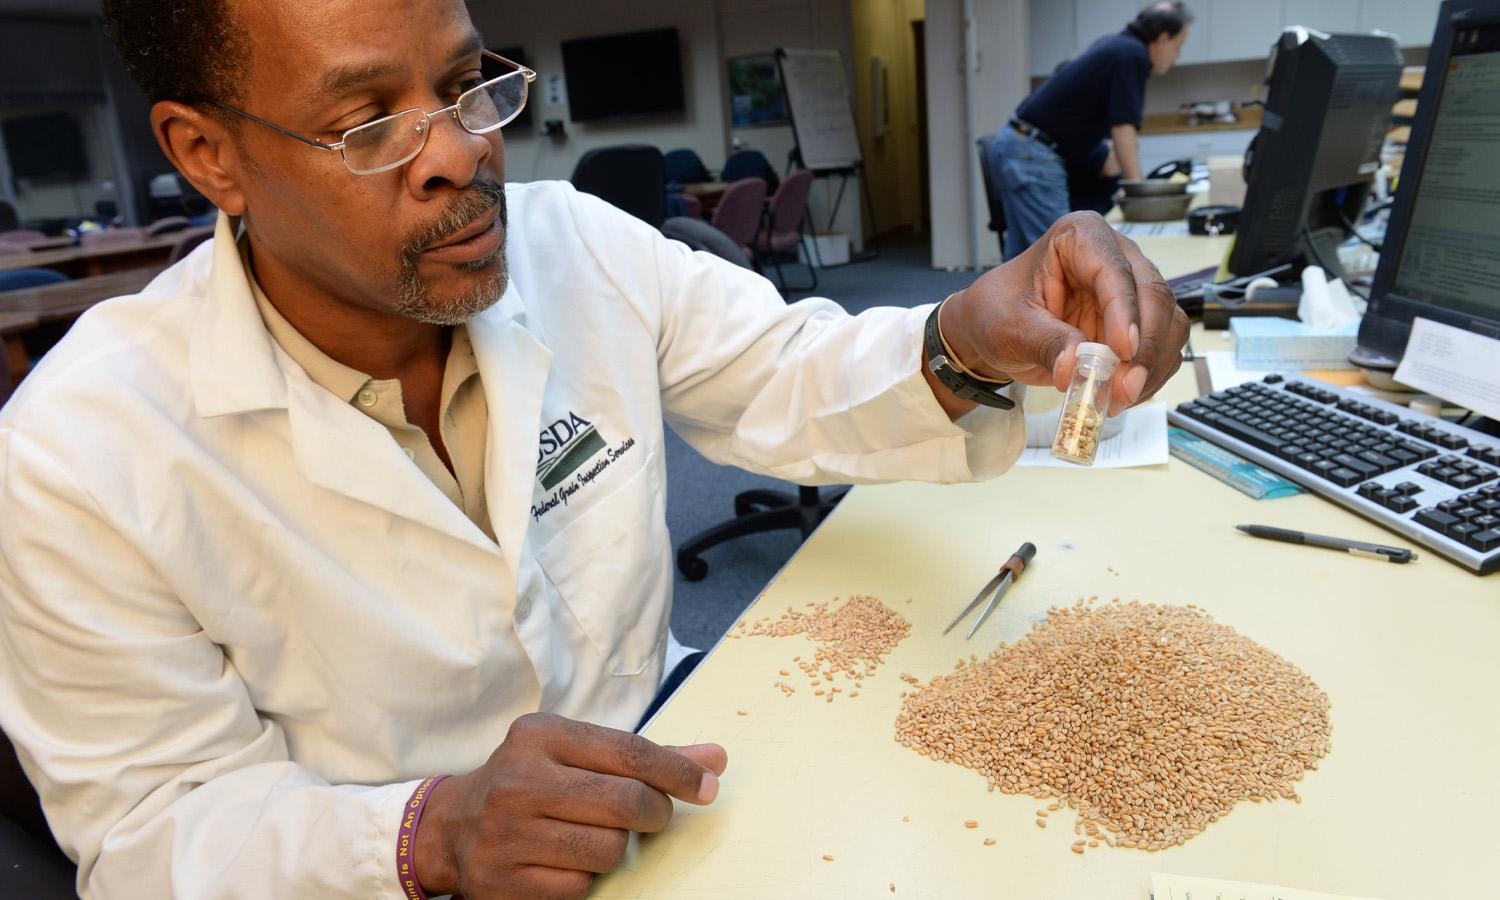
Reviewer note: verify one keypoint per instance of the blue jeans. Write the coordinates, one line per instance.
(1033, 188)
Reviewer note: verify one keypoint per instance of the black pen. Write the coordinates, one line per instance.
(1358, 548)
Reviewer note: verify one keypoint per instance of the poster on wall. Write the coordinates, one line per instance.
(755, 94)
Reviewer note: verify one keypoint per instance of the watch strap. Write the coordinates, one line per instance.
(948, 371)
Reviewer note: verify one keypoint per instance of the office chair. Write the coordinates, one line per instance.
(754, 512)
(685, 166)
(992, 187)
(35, 868)
(700, 235)
(750, 164)
(786, 214)
(20, 279)
(166, 225)
(9, 220)
(630, 176)
(740, 211)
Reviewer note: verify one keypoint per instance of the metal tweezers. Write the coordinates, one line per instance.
(998, 586)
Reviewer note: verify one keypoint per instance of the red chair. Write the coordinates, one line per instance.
(786, 216)
(740, 211)
(189, 240)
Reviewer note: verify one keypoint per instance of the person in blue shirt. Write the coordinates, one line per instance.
(1065, 123)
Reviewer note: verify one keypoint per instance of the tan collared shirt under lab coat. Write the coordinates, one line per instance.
(237, 623)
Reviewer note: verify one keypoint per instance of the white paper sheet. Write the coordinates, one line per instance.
(1143, 442)
(1187, 887)
(1175, 228)
(1222, 372)
(1459, 366)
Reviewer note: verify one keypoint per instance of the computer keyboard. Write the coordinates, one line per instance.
(1435, 483)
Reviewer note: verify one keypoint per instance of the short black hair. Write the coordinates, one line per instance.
(192, 51)
(1167, 17)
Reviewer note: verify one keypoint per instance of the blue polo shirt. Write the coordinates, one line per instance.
(1086, 97)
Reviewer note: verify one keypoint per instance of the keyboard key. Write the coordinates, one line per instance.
(1408, 488)
(1484, 541)
(1464, 480)
(1343, 477)
(1449, 506)
(1273, 379)
(1437, 520)
(1461, 531)
(1451, 441)
(1384, 496)
(1358, 465)
(1467, 512)
(1369, 489)
(1489, 506)
(1384, 463)
(1403, 504)
(1486, 521)
(1252, 436)
(1492, 492)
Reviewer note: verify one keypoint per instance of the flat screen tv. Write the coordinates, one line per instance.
(48, 144)
(621, 76)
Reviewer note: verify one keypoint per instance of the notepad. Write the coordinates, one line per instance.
(1189, 887)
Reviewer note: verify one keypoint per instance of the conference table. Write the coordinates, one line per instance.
(28, 308)
(819, 800)
(82, 262)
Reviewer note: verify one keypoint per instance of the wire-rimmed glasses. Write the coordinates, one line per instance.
(396, 139)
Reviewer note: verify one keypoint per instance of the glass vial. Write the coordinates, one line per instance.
(1081, 424)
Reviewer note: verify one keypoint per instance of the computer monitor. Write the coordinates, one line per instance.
(1441, 256)
(1308, 170)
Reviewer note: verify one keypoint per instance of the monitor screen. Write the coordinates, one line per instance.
(1451, 255)
(624, 75)
(1439, 258)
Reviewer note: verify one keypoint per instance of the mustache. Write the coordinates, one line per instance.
(477, 199)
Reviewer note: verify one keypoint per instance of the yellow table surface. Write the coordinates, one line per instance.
(1407, 654)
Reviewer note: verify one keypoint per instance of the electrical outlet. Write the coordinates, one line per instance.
(553, 93)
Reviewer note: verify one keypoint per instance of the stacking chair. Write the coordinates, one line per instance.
(631, 176)
(750, 164)
(188, 240)
(166, 225)
(992, 187)
(740, 211)
(785, 215)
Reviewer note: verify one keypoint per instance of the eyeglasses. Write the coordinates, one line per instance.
(396, 139)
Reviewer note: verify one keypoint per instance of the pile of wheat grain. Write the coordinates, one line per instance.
(852, 641)
(1152, 721)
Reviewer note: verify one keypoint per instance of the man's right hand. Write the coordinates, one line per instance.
(553, 806)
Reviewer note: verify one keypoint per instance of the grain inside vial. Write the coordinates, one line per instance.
(1150, 721)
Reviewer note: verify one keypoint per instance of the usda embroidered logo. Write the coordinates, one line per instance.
(565, 445)
(570, 456)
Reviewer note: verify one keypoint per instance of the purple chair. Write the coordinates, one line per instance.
(189, 240)
(21, 236)
(740, 210)
(166, 225)
(110, 237)
(783, 234)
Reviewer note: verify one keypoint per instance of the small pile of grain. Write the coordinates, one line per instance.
(1152, 721)
(852, 640)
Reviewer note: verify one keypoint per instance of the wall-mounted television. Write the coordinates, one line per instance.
(622, 76)
(48, 144)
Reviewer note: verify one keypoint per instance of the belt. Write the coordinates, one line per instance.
(1029, 130)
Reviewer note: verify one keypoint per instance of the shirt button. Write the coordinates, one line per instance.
(523, 608)
(410, 453)
(367, 398)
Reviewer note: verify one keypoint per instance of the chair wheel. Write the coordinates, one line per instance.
(693, 568)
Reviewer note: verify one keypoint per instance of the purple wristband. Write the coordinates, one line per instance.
(406, 839)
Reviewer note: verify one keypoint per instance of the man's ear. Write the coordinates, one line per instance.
(202, 150)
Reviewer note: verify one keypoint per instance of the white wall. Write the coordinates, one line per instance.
(957, 117)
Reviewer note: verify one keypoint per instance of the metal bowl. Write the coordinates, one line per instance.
(1156, 209)
(1154, 187)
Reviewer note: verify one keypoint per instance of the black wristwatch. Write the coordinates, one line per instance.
(961, 383)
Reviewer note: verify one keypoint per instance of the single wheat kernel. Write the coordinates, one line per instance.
(741, 712)
(1093, 843)
(1041, 823)
(989, 842)
(1077, 849)
(970, 823)
(827, 857)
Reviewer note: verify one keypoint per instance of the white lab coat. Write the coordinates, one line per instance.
(237, 623)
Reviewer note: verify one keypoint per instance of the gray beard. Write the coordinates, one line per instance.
(414, 300)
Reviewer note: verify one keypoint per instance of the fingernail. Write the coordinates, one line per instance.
(1135, 340)
(1135, 382)
(708, 789)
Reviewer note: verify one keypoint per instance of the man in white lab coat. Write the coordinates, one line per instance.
(370, 488)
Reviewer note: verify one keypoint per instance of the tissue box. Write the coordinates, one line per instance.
(1268, 345)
